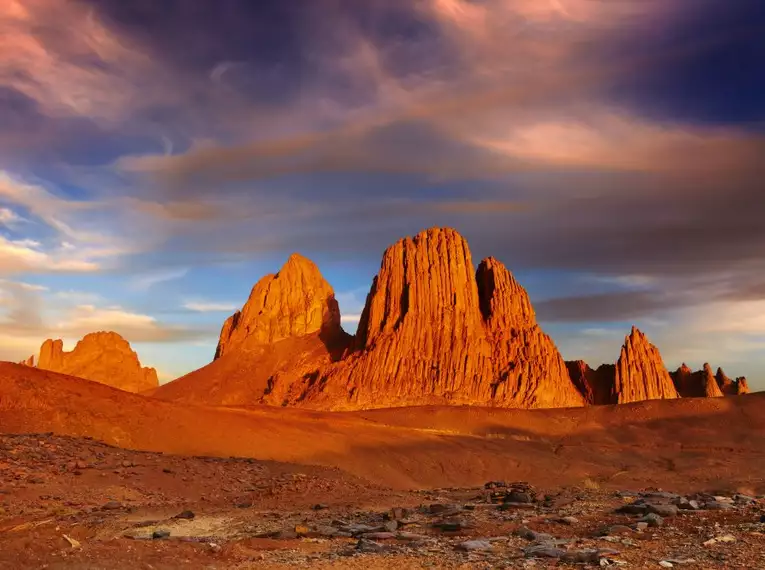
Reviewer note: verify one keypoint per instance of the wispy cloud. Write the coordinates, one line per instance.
(145, 281)
(209, 307)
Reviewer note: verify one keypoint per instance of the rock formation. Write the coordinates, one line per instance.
(730, 387)
(705, 384)
(594, 385)
(297, 301)
(288, 328)
(701, 384)
(434, 332)
(640, 372)
(103, 357)
(28, 362)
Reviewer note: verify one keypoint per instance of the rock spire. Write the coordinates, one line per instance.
(640, 372)
(294, 302)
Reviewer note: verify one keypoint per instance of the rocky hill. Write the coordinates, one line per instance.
(103, 357)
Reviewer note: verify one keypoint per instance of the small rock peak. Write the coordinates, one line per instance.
(640, 372)
(684, 369)
(294, 302)
(505, 305)
(742, 386)
(28, 361)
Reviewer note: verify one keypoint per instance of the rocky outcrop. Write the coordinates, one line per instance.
(705, 384)
(28, 362)
(640, 372)
(295, 302)
(700, 384)
(103, 357)
(730, 387)
(288, 329)
(594, 385)
(742, 387)
(433, 331)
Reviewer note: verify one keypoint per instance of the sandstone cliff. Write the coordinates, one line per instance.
(103, 357)
(433, 331)
(640, 372)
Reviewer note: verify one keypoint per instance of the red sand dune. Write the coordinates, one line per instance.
(686, 443)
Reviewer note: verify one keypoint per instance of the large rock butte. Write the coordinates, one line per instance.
(103, 357)
(435, 331)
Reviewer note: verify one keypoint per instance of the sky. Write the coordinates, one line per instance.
(157, 157)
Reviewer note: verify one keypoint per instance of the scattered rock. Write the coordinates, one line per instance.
(568, 520)
(529, 534)
(111, 506)
(633, 509)
(481, 545)
(543, 551)
(379, 535)
(188, 515)
(719, 539)
(666, 564)
(652, 519)
(370, 547)
(663, 510)
(72, 542)
(616, 529)
(160, 533)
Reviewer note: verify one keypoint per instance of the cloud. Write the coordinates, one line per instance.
(29, 314)
(146, 281)
(9, 218)
(24, 256)
(65, 59)
(209, 307)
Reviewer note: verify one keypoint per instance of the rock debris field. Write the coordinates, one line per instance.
(75, 503)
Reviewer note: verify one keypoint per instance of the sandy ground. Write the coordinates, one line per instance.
(279, 488)
(72, 503)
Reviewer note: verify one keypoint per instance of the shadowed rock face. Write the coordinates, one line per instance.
(435, 331)
(640, 372)
(594, 385)
(295, 302)
(103, 357)
(730, 387)
(704, 384)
